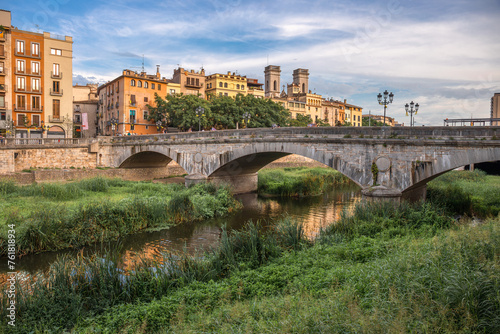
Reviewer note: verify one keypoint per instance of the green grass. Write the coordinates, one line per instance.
(53, 216)
(298, 181)
(466, 192)
(427, 274)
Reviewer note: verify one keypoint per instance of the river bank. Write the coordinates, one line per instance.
(53, 216)
(405, 268)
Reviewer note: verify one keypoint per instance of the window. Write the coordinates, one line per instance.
(220, 94)
(139, 83)
(55, 70)
(237, 86)
(145, 114)
(132, 118)
(159, 87)
(56, 52)
(225, 94)
(35, 120)
(19, 46)
(20, 66)
(242, 87)
(188, 81)
(56, 109)
(2, 101)
(146, 84)
(55, 86)
(1, 67)
(145, 99)
(152, 86)
(225, 84)
(21, 120)
(35, 67)
(21, 102)
(132, 83)
(21, 83)
(275, 86)
(35, 85)
(35, 49)
(172, 91)
(35, 103)
(220, 84)
(197, 82)
(132, 100)
(3, 116)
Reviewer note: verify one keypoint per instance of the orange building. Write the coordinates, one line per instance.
(123, 103)
(27, 67)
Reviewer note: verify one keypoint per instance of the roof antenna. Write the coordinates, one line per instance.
(143, 62)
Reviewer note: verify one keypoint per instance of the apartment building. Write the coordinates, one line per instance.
(255, 88)
(226, 84)
(35, 96)
(495, 108)
(191, 82)
(6, 124)
(123, 102)
(333, 112)
(85, 107)
(355, 114)
(58, 85)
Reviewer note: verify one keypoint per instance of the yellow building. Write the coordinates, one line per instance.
(190, 82)
(123, 102)
(58, 85)
(226, 84)
(355, 114)
(333, 112)
(313, 104)
(255, 88)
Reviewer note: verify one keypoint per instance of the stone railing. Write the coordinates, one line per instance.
(45, 141)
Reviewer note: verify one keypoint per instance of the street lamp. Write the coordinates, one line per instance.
(44, 128)
(387, 99)
(246, 118)
(114, 124)
(410, 109)
(159, 125)
(200, 111)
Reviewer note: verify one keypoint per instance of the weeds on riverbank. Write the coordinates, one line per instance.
(421, 276)
(55, 225)
(298, 181)
(88, 286)
(466, 193)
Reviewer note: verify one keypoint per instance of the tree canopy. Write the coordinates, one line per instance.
(221, 112)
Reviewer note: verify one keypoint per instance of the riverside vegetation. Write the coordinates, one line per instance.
(298, 181)
(54, 216)
(383, 268)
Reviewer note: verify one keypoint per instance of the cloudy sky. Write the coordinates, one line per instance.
(443, 54)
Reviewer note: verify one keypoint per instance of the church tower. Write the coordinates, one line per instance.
(272, 84)
(301, 78)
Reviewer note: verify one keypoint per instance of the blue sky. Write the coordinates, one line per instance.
(443, 54)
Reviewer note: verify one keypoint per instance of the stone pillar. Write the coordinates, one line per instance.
(416, 194)
(381, 193)
(240, 184)
(194, 179)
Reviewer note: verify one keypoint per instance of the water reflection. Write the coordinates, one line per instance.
(315, 213)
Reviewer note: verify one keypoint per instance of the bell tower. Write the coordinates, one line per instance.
(301, 78)
(272, 84)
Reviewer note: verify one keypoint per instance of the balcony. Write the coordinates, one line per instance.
(56, 93)
(55, 119)
(57, 75)
(28, 108)
(25, 54)
(77, 109)
(3, 71)
(194, 84)
(77, 120)
(3, 105)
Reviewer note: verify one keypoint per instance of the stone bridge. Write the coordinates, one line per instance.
(384, 162)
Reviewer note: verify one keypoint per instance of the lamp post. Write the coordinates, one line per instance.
(200, 111)
(387, 99)
(114, 124)
(411, 108)
(246, 118)
(44, 127)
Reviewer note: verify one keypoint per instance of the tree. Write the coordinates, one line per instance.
(373, 122)
(301, 120)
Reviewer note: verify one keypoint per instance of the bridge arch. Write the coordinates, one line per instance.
(249, 160)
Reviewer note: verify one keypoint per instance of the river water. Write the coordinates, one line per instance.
(314, 212)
